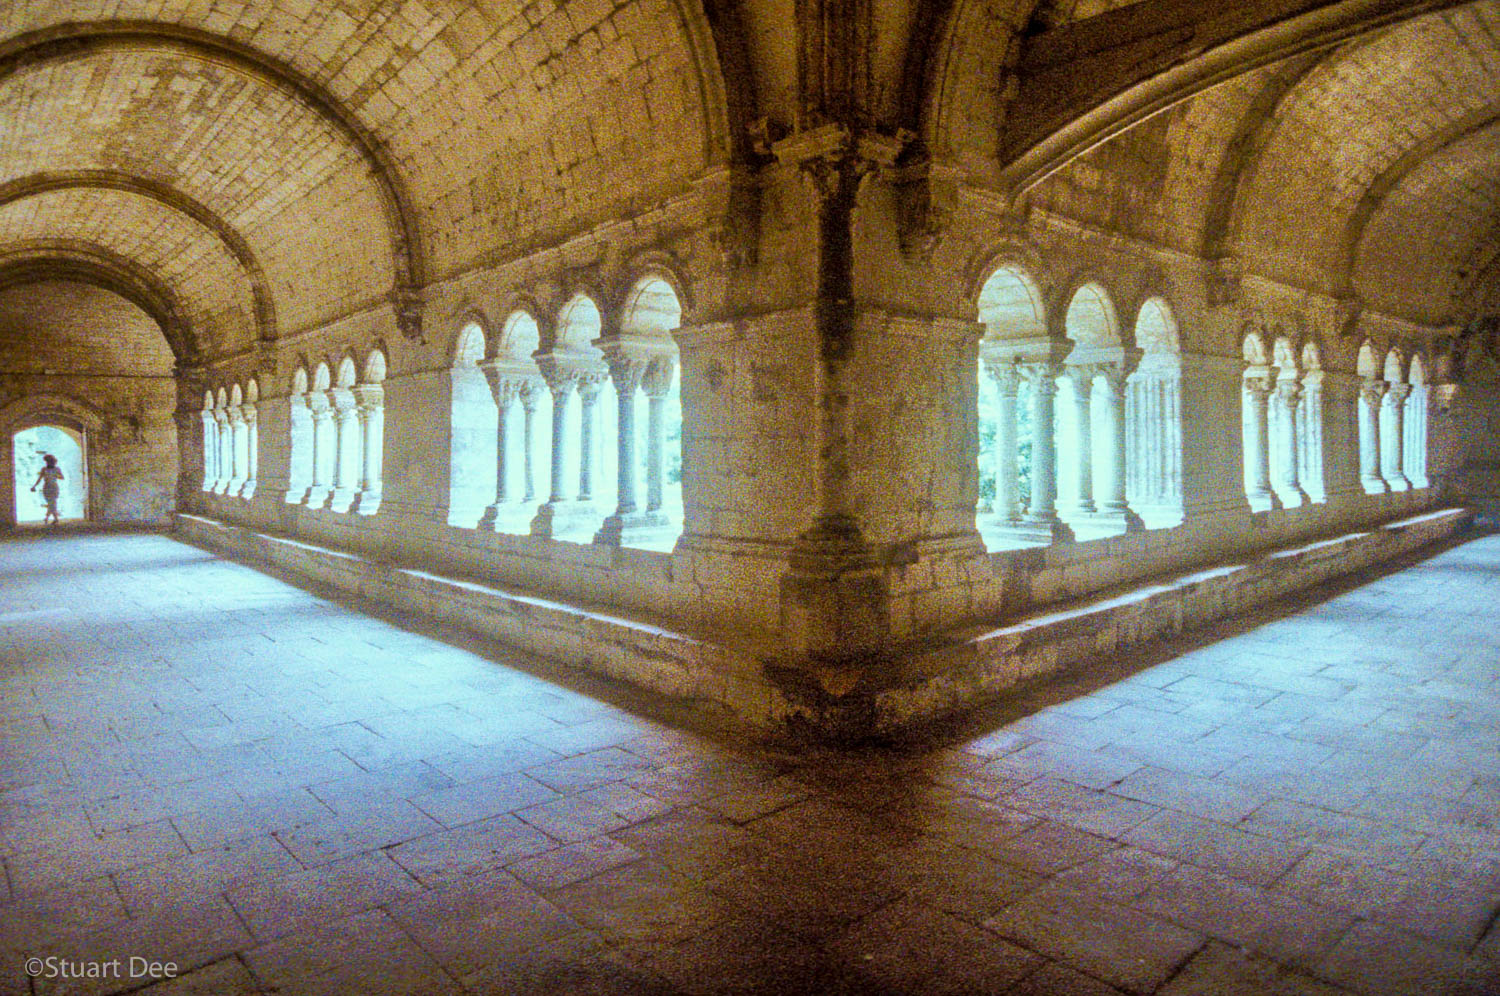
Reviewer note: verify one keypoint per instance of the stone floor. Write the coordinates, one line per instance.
(203, 765)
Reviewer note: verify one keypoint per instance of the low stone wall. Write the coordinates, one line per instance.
(750, 685)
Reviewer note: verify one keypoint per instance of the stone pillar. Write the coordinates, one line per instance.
(588, 416)
(626, 369)
(1371, 394)
(552, 515)
(1007, 380)
(371, 415)
(239, 449)
(1043, 507)
(1393, 438)
(224, 449)
(528, 395)
(300, 449)
(347, 457)
(210, 450)
(1111, 490)
(656, 383)
(1310, 445)
(1416, 437)
(1288, 395)
(252, 448)
(324, 449)
(505, 390)
(1257, 442)
(1082, 382)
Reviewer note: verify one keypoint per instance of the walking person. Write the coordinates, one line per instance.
(48, 477)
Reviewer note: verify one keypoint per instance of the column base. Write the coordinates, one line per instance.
(248, 491)
(632, 529)
(1399, 484)
(1106, 522)
(294, 495)
(555, 518)
(1374, 485)
(1291, 498)
(340, 499)
(1037, 531)
(367, 502)
(317, 496)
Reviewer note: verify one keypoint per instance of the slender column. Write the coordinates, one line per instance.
(1371, 393)
(1112, 489)
(323, 449)
(1311, 469)
(210, 450)
(529, 393)
(1394, 440)
(1082, 379)
(252, 448)
(1043, 444)
(627, 368)
(347, 460)
(301, 449)
(1257, 439)
(1288, 395)
(588, 397)
(1007, 379)
(239, 450)
(224, 436)
(371, 415)
(504, 389)
(1416, 437)
(656, 383)
(562, 392)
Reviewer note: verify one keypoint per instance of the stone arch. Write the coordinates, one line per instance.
(652, 307)
(1011, 305)
(49, 408)
(374, 369)
(1366, 364)
(1253, 350)
(1284, 357)
(470, 343)
(300, 379)
(472, 422)
(252, 391)
(39, 183)
(1394, 368)
(73, 40)
(579, 323)
(71, 260)
(236, 395)
(520, 338)
(322, 377)
(1155, 329)
(347, 373)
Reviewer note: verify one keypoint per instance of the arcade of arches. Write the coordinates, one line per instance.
(800, 363)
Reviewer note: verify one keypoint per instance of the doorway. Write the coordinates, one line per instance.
(29, 447)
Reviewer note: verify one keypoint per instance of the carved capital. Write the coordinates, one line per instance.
(1373, 391)
(1005, 376)
(657, 379)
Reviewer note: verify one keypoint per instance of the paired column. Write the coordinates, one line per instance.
(1043, 507)
(210, 450)
(239, 450)
(324, 449)
(1081, 379)
(346, 464)
(303, 450)
(1310, 454)
(225, 439)
(1257, 441)
(1371, 397)
(370, 399)
(1393, 438)
(636, 366)
(1007, 380)
(1112, 486)
(505, 388)
(1288, 397)
(252, 448)
(561, 508)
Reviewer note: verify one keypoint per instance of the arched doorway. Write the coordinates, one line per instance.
(29, 447)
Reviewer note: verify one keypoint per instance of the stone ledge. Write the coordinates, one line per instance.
(751, 687)
(977, 662)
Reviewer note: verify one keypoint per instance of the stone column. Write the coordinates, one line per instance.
(210, 450)
(1082, 381)
(324, 449)
(1416, 437)
(1257, 443)
(1394, 463)
(301, 450)
(505, 390)
(371, 415)
(588, 397)
(626, 369)
(224, 438)
(239, 449)
(1288, 394)
(528, 395)
(552, 513)
(1310, 444)
(1112, 497)
(1371, 393)
(1043, 508)
(656, 383)
(347, 459)
(252, 448)
(1007, 380)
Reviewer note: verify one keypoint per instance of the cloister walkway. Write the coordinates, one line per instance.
(204, 765)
